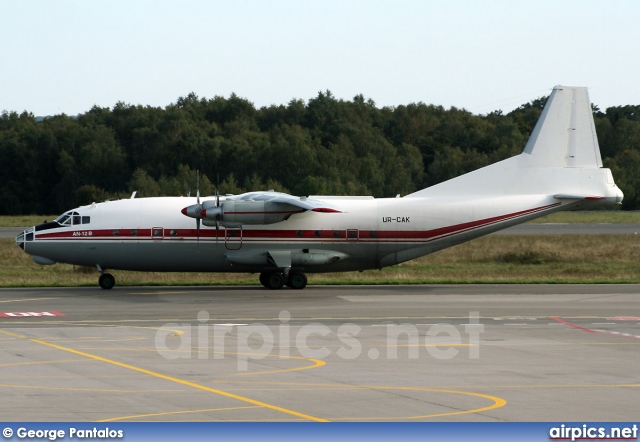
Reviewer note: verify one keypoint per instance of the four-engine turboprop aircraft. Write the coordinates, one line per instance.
(282, 237)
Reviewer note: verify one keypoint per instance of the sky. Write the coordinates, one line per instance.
(66, 56)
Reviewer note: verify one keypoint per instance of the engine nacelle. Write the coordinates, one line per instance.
(235, 213)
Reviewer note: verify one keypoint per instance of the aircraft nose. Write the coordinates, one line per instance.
(25, 237)
(20, 240)
(619, 195)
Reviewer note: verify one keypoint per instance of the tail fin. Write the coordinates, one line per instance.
(562, 158)
(565, 135)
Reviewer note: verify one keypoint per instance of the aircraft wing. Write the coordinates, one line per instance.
(301, 202)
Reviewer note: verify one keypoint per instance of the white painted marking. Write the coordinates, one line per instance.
(28, 314)
(624, 318)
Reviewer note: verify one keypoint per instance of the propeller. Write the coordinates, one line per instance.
(219, 214)
(213, 211)
(198, 204)
(193, 211)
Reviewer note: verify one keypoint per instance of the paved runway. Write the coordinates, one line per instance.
(434, 353)
(10, 232)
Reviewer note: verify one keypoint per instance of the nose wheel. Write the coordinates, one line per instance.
(107, 281)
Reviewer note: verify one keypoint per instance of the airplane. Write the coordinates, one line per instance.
(284, 237)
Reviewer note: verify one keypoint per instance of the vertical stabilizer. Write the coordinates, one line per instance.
(562, 157)
(565, 135)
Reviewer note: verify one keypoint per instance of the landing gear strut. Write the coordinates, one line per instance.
(274, 280)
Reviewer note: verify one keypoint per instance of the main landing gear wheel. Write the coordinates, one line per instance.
(297, 280)
(263, 278)
(272, 280)
(107, 281)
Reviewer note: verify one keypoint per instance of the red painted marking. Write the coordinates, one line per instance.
(594, 198)
(562, 321)
(28, 314)
(283, 212)
(588, 330)
(326, 210)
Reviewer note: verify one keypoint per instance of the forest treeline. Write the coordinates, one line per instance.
(321, 146)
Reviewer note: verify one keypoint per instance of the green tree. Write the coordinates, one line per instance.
(143, 184)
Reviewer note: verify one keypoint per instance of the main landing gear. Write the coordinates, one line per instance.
(276, 279)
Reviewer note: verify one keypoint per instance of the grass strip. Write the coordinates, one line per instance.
(548, 259)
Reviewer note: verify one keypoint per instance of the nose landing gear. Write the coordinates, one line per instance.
(106, 280)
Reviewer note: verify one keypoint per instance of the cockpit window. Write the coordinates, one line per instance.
(64, 219)
(72, 218)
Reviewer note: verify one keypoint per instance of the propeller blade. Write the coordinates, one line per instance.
(198, 233)
(198, 186)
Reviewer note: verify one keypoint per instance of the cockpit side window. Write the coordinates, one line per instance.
(64, 219)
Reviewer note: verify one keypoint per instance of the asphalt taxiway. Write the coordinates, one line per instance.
(435, 353)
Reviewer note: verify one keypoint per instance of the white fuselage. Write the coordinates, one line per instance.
(151, 234)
